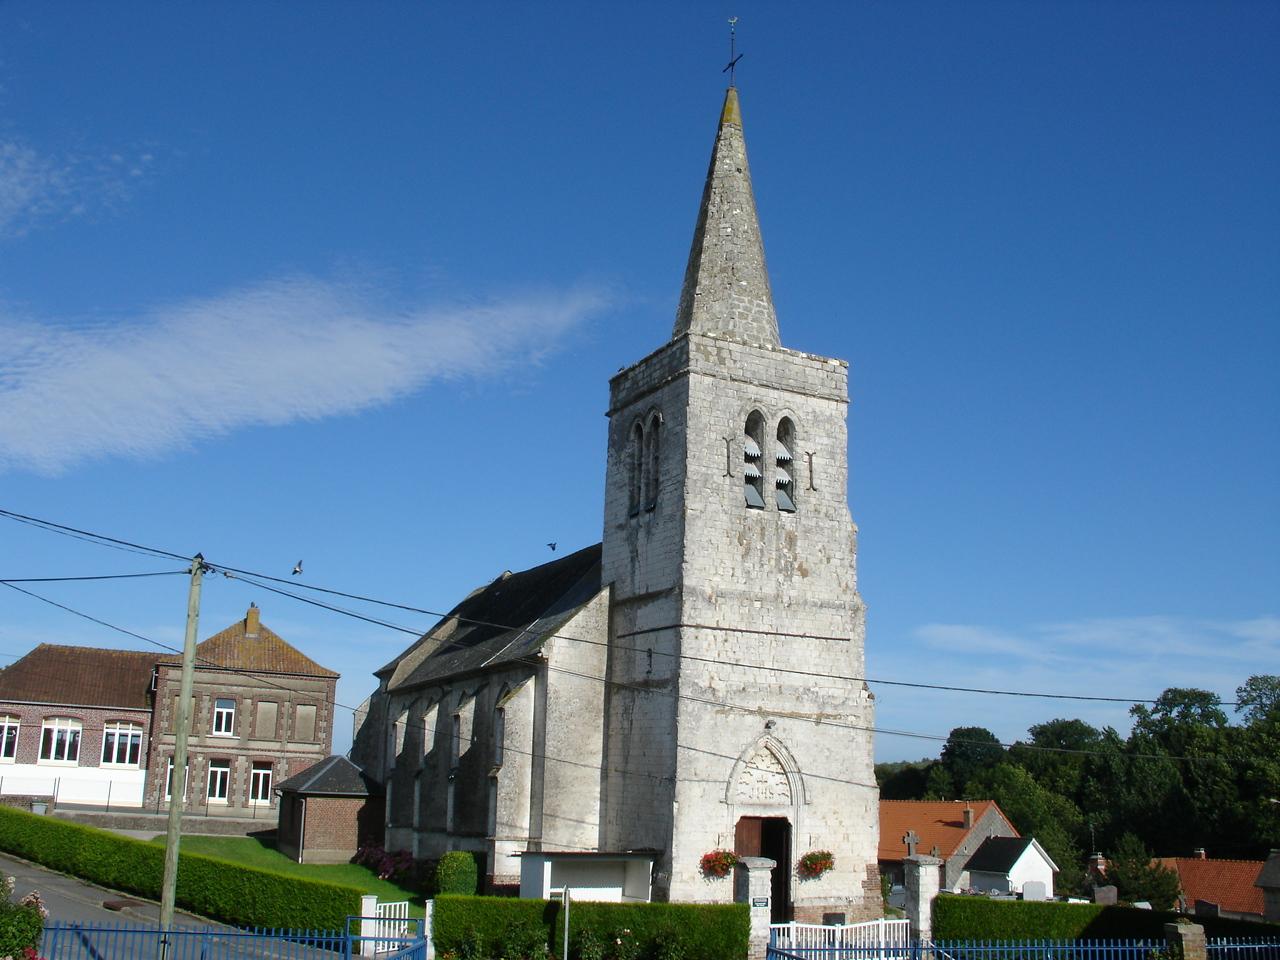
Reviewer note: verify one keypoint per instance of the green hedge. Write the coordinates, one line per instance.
(218, 889)
(19, 928)
(516, 929)
(457, 872)
(978, 918)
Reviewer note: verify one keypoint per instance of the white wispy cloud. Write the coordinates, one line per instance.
(1132, 658)
(282, 351)
(37, 187)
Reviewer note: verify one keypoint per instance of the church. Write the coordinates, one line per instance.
(692, 683)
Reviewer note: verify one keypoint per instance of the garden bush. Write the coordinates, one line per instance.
(978, 918)
(468, 927)
(19, 928)
(457, 873)
(218, 889)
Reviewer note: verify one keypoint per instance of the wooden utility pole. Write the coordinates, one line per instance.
(178, 780)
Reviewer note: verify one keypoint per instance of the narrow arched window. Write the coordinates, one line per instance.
(499, 735)
(651, 439)
(753, 461)
(635, 457)
(784, 477)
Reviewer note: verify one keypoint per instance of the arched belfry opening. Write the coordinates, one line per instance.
(753, 460)
(784, 479)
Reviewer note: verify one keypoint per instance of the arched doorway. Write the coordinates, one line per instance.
(769, 837)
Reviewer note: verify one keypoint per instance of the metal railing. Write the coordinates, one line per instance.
(984, 950)
(102, 941)
(1241, 948)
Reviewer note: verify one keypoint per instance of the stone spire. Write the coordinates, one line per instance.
(726, 285)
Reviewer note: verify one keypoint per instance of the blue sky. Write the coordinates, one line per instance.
(347, 282)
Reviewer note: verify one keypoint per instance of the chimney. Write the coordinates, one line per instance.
(251, 621)
(968, 817)
(1199, 853)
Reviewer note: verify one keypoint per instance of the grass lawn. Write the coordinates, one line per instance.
(261, 853)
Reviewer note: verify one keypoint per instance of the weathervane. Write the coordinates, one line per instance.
(734, 56)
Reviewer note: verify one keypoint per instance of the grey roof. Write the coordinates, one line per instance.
(333, 776)
(1269, 875)
(507, 621)
(998, 854)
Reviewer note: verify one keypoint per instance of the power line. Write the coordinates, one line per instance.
(109, 576)
(257, 577)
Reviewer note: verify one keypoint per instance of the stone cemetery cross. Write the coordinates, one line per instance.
(911, 840)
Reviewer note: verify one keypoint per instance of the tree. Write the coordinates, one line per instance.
(1058, 754)
(969, 750)
(905, 780)
(1258, 698)
(1137, 877)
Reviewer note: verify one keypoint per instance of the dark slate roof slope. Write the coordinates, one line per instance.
(334, 776)
(80, 676)
(509, 619)
(998, 854)
(265, 651)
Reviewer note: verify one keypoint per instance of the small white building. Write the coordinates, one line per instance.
(1008, 864)
(603, 877)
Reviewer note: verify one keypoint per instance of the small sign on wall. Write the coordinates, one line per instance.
(759, 901)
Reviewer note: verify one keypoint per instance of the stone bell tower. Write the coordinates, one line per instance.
(735, 716)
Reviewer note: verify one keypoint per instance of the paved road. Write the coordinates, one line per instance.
(71, 900)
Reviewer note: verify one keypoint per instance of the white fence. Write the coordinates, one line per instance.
(384, 926)
(884, 939)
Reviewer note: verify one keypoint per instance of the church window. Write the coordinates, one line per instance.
(635, 454)
(753, 461)
(651, 442)
(455, 741)
(784, 478)
(499, 735)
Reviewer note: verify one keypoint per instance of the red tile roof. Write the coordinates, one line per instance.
(938, 823)
(1228, 883)
(79, 676)
(262, 651)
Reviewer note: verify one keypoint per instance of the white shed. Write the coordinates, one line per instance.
(608, 877)
(1007, 864)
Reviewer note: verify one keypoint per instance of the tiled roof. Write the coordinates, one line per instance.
(998, 854)
(507, 620)
(80, 676)
(938, 823)
(1228, 883)
(260, 651)
(334, 776)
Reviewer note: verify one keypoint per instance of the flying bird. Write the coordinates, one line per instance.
(552, 545)
(297, 568)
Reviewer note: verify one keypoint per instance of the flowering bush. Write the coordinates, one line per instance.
(718, 863)
(397, 867)
(815, 863)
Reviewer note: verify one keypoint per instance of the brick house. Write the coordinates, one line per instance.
(262, 711)
(328, 811)
(96, 727)
(75, 725)
(950, 829)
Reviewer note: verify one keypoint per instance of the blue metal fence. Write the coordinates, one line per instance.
(1238, 948)
(99, 941)
(987, 950)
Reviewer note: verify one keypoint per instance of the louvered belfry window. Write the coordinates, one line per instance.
(753, 461)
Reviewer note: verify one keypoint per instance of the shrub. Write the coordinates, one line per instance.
(224, 891)
(978, 918)
(19, 928)
(456, 873)
(398, 867)
(470, 926)
(496, 926)
(669, 931)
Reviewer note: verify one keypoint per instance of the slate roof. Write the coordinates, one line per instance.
(938, 823)
(334, 776)
(262, 652)
(507, 620)
(998, 854)
(80, 676)
(1228, 883)
(1269, 875)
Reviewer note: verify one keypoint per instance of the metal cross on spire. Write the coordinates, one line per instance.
(734, 56)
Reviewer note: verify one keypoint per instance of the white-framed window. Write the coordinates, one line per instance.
(168, 783)
(224, 717)
(60, 740)
(260, 782)
(8, 738)
(121, 744)
(219, 780)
